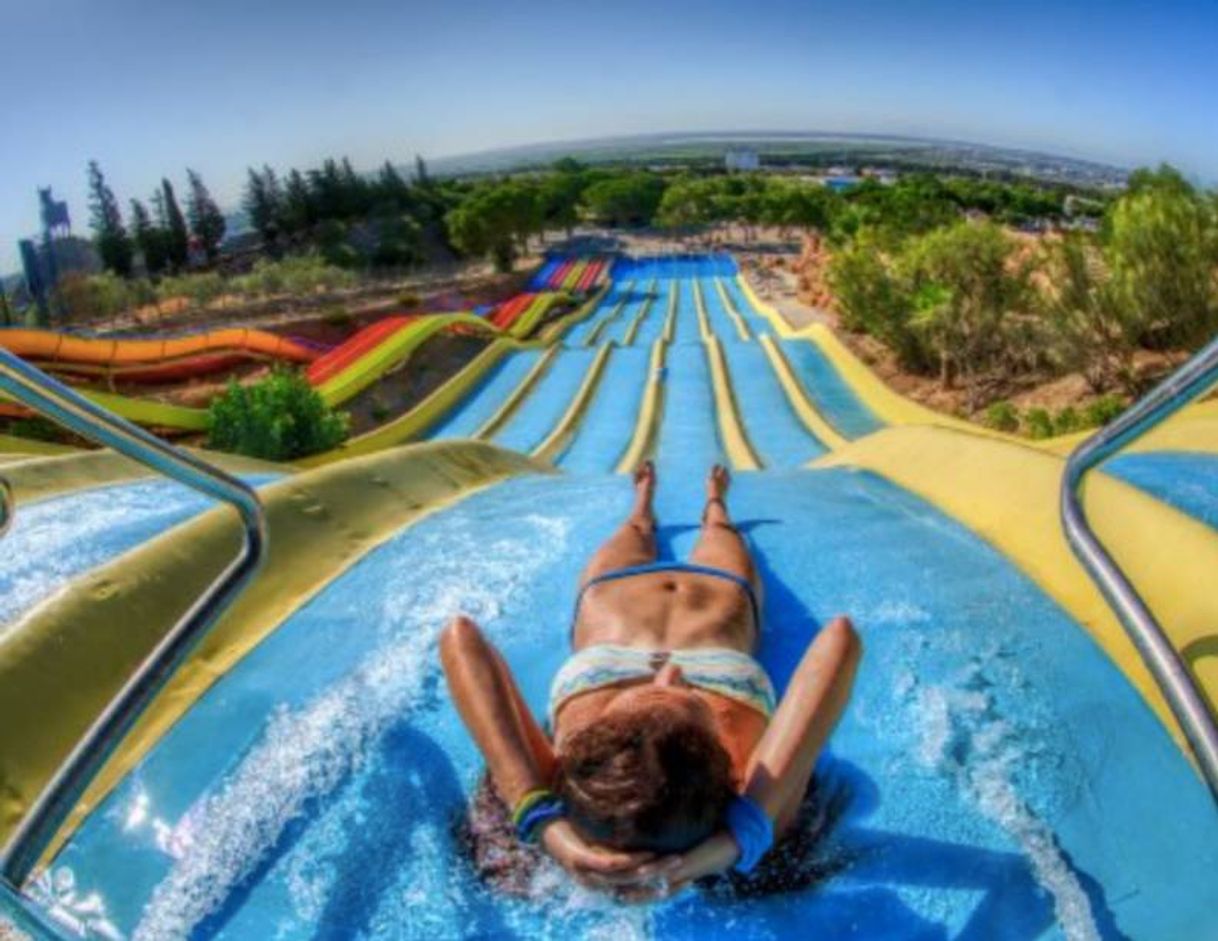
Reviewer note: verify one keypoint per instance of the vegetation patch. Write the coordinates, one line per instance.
(279, 418)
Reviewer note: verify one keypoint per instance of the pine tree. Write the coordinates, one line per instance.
(299, 211)
(420, 171)
(263, 203)
(206, 220)
(149, 238)
(109, 234)
(177, 241)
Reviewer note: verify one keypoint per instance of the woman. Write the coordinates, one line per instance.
(669, 759)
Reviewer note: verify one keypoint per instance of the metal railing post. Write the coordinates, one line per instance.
(40, 392)
(1168, 668)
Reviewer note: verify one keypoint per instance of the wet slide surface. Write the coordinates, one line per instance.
(996, 776)
(53, 541)
(311, 792)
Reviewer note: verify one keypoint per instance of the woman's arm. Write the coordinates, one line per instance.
(782, 763)
(517, 752)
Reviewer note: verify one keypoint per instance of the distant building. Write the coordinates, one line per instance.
(742, 160)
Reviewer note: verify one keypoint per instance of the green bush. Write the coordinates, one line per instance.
(1002, 416)
(336, 315)
(1103, 410)
(409, 299)
(1067, 421)
(280, 418)
(1038, 423)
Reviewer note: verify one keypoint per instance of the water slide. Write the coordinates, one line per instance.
(1006, 770)
(158, 360)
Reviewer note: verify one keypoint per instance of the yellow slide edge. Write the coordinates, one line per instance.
(742, 328)
(560, 436)
(731, 429)
(800, 403)
(522, 391)
(647, 423)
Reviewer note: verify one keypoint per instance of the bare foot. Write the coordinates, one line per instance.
(644, 483)
(717, 482)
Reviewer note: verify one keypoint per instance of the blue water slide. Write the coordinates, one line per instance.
(609, 423)
(540, 412)
(829, 392)
(775, 431)
(473, 411)
(1187, 480)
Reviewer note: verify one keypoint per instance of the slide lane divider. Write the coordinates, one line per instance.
(732, 311)
(670, 321)
(560, 437)
(632, 331)
(812, 419)
(704, 327)
(69, 656)
(642, 442)
(594, 335)
(736, 443)
(519, 394)
(558, 329)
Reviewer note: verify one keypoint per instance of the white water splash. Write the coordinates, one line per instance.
(963, 736)
(308, 752)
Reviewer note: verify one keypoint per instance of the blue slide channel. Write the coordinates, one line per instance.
(777, 435)
(540, 412)
(829, 392)
(1186, 480)
(608, 426)
(476, 409)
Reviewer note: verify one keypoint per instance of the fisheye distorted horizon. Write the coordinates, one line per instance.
(148, 89)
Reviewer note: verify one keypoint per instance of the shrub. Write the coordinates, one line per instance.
(1103, 410)
(1002, 416)
(336, 315)
(409, 299)
(1038, 423)
(1067, 421)
(280, 418)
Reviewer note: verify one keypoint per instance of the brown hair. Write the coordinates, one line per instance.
(645, 780)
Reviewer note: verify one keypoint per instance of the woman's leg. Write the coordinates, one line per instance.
(634, 542)
(720, 544)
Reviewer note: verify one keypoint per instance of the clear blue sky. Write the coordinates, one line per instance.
(149, 87)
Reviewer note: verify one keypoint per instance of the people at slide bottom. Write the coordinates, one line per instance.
(669, 759)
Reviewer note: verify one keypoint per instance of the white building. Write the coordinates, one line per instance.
(742, 160)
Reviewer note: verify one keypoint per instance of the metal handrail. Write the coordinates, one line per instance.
(1169, 670)
(40, 392)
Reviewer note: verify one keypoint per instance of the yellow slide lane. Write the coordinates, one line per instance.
(70, 655)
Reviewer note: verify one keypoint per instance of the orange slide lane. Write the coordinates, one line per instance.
(151, 360)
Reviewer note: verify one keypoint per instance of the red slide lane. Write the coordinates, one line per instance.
(559, 276)
(591, 273)
(336, 360)
(507, 314)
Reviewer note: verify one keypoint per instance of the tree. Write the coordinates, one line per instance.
(109, 234)
(149, 238)
(177, 241)
(299, 210)
(280, 418)
(420, 171)
(263, 203)
(206, 220)
(629, 199)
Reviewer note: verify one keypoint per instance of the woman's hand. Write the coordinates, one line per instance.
(668, 875)
(593, 866)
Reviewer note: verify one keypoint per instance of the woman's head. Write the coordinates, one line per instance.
(648, 773)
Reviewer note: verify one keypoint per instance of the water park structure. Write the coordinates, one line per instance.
(1017, 764)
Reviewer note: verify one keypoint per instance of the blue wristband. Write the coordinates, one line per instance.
(752, 829)
(536, 817)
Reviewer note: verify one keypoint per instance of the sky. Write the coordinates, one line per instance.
(150, 87)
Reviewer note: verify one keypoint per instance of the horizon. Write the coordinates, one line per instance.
(288, 85)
